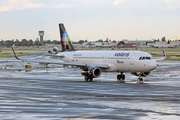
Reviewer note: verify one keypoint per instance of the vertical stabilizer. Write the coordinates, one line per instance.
(65, 40)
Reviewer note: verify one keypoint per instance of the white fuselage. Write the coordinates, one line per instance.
(118, 61)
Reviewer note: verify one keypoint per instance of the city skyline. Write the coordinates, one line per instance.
(90, 19)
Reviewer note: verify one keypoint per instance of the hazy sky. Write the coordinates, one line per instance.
(90, 19)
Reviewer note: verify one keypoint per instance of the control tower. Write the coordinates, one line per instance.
(41, 34)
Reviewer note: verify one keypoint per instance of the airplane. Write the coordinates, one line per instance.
(93, 63)
(155, 46)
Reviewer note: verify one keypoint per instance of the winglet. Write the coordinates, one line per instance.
(162, 58)
(15, 54)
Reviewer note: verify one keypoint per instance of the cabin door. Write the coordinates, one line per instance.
(132, 60)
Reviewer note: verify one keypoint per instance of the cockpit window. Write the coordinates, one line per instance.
(145, 58)
(148, 58)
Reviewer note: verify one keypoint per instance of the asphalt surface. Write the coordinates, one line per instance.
(58, 93)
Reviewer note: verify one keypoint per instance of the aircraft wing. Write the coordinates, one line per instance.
(81, 65)
(162, 58)
(3, 60)
(46, 62)
(10, 60)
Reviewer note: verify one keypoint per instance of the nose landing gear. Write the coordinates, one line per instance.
(140, 80)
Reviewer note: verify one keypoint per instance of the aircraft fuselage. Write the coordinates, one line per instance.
(118, 61)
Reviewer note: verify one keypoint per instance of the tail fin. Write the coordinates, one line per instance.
(65, 40)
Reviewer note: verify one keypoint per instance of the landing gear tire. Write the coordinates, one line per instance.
(121, 78)
(88, 79)
(140, 81)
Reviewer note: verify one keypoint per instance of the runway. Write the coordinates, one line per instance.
(58, 93)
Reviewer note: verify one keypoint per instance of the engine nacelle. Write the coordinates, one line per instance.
(54, 50)
(94, 72)
(143, 74)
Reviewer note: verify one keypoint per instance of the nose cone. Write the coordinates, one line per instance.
(152, 65)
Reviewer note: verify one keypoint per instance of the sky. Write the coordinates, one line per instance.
(90, 19)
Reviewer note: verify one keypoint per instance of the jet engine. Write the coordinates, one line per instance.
(93, 72)
(143, 74)
(54, 50)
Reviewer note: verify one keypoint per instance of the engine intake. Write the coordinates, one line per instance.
(93, 72)
(143, 74)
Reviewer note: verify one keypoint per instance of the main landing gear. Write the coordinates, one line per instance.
(88, 78)
(121, 77)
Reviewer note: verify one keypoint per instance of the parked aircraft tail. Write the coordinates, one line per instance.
(65, 40)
